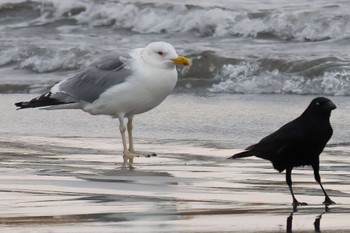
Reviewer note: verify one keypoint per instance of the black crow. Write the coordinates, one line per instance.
(298, 143)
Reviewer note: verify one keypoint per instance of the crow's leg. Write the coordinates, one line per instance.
(289, 182)
(327, 200)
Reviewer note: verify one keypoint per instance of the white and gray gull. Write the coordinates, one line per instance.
(119, 86)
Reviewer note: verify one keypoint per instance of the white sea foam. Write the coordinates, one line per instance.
(248, 78)
(288, 24)
(53, 35)
(217, 22)
(42, 60)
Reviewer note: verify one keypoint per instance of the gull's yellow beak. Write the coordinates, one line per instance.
(180, 60)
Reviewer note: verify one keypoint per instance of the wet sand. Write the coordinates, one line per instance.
(71, 181)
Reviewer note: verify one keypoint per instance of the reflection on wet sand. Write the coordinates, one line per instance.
(75, 186)
(316, 223)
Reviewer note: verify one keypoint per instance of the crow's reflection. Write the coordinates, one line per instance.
(317, 221)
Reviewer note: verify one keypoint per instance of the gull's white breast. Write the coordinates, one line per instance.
(141, 92)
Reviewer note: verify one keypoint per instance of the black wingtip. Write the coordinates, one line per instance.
(41, 101)
(18, 105)
(21, 105)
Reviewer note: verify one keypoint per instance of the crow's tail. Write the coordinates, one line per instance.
(41, 101)
(242, 154)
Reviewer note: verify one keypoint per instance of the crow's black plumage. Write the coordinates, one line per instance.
(298, 143)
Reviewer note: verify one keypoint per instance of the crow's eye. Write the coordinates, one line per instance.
(318, 103)
(160, 53)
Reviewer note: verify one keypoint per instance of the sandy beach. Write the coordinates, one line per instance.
(61, 172)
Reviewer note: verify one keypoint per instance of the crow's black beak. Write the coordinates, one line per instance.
(330, 105)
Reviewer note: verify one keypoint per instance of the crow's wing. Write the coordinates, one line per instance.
(288, 136)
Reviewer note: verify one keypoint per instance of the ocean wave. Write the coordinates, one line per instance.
(302, 25)
(51, 36)
(251, 78)
(209, 72)
(44, 60)
(219, 22)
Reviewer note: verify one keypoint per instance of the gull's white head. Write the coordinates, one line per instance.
(162, 54)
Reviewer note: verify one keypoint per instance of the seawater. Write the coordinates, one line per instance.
(249, 47)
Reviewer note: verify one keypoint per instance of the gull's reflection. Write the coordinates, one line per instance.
(317, 221)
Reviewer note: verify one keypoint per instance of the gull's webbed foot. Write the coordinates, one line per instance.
(128, 158)
(143, 153)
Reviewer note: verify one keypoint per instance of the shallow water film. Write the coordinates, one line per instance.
(61, 171)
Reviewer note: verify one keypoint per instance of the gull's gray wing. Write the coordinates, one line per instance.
(90, 83)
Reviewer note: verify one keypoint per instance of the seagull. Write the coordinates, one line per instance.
(118, 86)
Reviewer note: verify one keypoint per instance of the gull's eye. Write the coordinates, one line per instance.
(160, 53)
